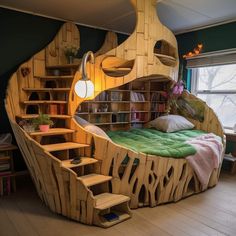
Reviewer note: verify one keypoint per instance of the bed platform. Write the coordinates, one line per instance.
(101, 189)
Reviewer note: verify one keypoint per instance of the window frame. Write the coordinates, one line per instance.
(194, 86)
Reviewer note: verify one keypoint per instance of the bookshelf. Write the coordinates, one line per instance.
(7, 173)
(130, 105)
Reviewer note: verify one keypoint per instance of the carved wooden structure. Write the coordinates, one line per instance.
(81, 191)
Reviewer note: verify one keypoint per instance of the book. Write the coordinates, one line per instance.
(111, 216)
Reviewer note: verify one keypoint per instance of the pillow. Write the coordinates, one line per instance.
(90, 127)
(170, 123)
(81, 121)
(96, 130)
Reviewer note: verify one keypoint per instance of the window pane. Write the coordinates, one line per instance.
(217, 77)
(224, 105)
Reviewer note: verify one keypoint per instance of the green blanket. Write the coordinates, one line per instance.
(154, 142)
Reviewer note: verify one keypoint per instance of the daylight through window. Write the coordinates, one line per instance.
(217, 86)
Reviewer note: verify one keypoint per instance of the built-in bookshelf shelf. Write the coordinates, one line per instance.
(116, 72)
(166, 59)
(129, 105)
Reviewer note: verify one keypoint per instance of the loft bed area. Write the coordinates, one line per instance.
(129, 143)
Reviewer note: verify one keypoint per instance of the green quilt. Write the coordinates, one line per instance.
(154, 142)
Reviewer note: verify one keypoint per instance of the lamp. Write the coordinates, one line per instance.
(84, 87)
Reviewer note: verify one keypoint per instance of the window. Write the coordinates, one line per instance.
(217, 86)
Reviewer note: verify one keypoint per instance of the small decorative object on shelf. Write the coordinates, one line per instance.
(76, 160)
(197, 50)
(70, 53)
(104, 108)
(27, 125)
(115, 96)
(43, 122)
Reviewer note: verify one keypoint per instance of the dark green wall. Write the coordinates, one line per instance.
(22, 35)
(213, 39)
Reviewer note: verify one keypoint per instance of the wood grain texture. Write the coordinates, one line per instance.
(210, 213)
(145, 180)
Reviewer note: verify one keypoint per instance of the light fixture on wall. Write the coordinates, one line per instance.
(84, 87)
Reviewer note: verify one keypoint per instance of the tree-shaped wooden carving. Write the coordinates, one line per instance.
(149, 52)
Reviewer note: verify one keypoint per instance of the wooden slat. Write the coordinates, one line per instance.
(9, 147)
(93, 179)
(84, 161)
(44, 102)
(32, 116)
(53, 131)
(107, 200)
(47, 89)
(59, 77)
(63, 146)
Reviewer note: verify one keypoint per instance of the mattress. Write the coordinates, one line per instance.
(154, 142)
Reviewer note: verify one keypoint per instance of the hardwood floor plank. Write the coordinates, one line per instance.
(6, 226)
(210, 213)
(17, 217)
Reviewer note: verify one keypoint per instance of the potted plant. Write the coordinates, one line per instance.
(70, 53)
(43, 122)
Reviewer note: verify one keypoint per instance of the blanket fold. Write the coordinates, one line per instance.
(207, 157)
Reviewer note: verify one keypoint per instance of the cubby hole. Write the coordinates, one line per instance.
(34, 96)
(49, 140)
(166, 53)
(117, 67)
(32, 109)
(50, 84)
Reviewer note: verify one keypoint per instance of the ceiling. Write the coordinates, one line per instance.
(118, 15)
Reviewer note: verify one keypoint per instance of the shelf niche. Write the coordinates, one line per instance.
(117, 67)
(165, 53)
(128, 106)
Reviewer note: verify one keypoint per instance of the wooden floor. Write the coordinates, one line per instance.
(209, 213)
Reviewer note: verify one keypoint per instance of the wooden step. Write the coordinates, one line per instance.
(63, 146)
(47, 89)
(50, 77)
(53, 131)
(35, 102)
(93, 179)
(106, 200)
(32, 116)
(84, 161)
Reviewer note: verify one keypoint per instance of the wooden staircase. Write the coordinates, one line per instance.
(104, 202)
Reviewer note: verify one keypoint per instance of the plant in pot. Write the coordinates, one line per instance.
(43, 122)
(70, 53)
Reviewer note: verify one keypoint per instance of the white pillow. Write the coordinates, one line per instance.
(90, 127)
(81, 121)
(170, 123)
(96, 130)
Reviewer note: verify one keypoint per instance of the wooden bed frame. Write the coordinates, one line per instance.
(82, 191)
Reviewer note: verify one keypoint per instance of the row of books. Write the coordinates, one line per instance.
(158, 107)
(137, 97)
(56, 109)
(5, 183)
(158, 96)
